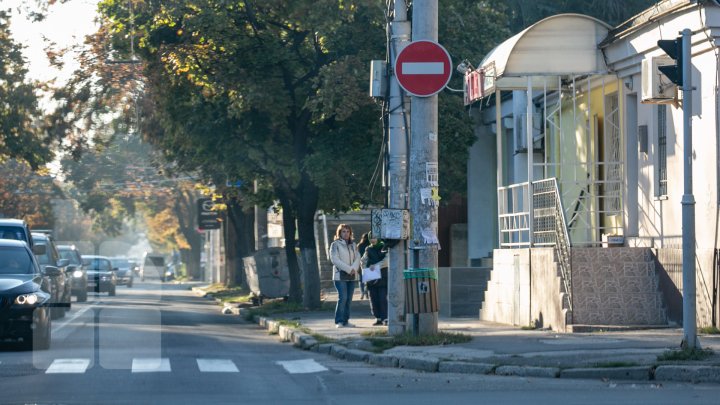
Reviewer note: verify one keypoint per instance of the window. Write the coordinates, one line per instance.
(661, 167)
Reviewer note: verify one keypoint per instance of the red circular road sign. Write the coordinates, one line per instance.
(423, 68)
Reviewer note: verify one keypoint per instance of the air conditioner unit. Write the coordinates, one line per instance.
(656, 87)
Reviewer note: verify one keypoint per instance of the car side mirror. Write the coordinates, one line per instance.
(51, 271)
(71, 268)
(39, 250)
(63, 262)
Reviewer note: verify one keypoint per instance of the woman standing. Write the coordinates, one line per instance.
(375, 258)
(346, 263)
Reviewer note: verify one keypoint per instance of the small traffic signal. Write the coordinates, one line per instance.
(674, 49)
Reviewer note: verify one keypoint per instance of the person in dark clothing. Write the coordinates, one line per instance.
(362, 245)
(375, 258)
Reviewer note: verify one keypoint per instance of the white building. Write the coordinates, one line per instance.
(599, 242)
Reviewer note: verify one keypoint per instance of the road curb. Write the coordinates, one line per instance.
(300, 339)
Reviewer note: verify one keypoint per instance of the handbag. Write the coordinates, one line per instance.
(346, 276)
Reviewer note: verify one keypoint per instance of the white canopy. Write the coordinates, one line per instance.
(564, 44)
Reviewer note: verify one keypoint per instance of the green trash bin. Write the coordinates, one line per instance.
(420, 291)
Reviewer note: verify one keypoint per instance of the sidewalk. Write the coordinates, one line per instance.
(508, 350)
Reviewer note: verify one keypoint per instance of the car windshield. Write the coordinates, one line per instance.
(12, 232)
(15, 260)
(120, 263)
(97, 264)
(71, 255)
(44, 258)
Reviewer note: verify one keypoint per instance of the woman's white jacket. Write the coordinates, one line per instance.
(344, 257)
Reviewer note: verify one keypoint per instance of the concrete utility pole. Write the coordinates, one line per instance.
(688, 201)
(424, 162)
(397, 168)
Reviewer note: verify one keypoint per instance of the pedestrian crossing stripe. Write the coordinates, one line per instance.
(151, 365)
(216, 366)
(302, 366)
(68, 366)
(162, 364)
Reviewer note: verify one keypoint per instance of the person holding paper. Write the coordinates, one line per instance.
(375, 275)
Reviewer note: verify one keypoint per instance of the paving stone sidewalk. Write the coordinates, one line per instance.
(629, 354)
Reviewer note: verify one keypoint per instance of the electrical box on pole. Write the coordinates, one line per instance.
(378, 79)
(674, 49)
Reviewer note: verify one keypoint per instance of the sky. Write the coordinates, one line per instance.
(66, 24)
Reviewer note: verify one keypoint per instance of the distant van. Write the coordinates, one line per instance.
(153, 265)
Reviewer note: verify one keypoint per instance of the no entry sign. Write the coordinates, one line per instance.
(423, 68)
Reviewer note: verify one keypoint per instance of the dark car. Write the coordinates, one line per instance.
(124, 273)
(16, 229)
(24, 296)
(47, 255)
(76, 269)
(100, 273)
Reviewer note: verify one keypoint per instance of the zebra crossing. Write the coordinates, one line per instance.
(163, 365)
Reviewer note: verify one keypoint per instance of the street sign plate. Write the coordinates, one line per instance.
(423, 68)
(208, 217)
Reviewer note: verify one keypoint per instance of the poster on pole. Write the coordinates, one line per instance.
(390, 223)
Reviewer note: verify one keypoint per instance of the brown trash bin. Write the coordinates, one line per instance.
(420, 291)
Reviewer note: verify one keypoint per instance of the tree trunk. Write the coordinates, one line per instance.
(309, 195)
(240, 241)
(186, 210)
(296, 291)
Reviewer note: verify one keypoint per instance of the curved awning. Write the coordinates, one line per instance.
(564, 44)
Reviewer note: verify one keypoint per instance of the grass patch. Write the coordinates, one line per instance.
(383, 342)
(710, 330)
(615, 364)
(374, 333)
(685, 354)
(273, 308)
(289, 323)
(528, 327)
(228, 294)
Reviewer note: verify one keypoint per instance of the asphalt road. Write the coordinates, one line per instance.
(159, 343)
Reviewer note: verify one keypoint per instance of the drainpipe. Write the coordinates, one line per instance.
(529, 144)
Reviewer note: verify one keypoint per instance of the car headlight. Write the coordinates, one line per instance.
(77, 274)
(30, 299)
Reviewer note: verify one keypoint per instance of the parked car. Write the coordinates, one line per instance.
(101, 275)
(124, 274)
(76, 269)
(15, 229)
(47, 255)
(24, 296)
(153, 265)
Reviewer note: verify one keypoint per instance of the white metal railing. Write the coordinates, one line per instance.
(514, 216)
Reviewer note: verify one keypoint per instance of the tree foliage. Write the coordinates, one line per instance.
(21, 135)
(27, 193)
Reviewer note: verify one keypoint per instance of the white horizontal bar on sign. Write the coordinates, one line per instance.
(423, 68)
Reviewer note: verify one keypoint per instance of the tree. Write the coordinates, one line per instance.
(28, 194)
(21, 135)
(272, 81)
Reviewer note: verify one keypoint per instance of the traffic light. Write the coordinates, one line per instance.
(674, 49)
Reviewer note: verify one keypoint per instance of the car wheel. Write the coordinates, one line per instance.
(57, 312)
(82, 296)
(130, 283)
(111, 291)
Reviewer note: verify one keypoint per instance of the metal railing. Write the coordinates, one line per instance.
(549, 224)
(550, 228)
